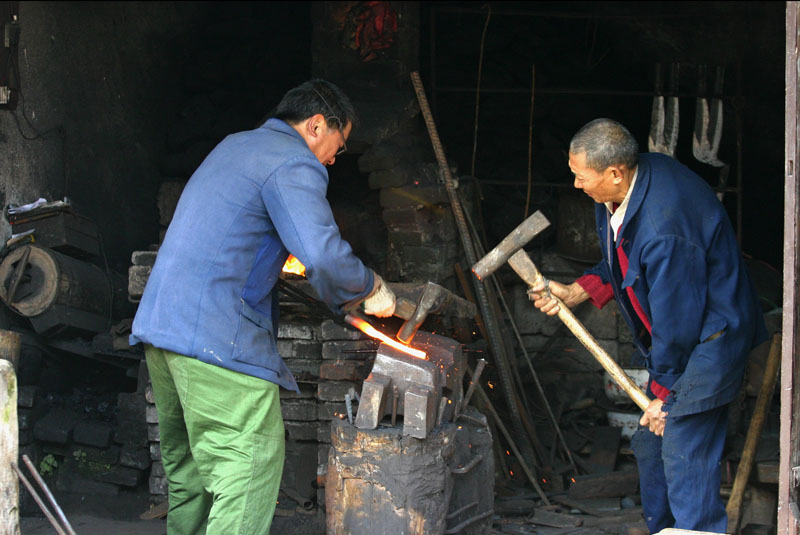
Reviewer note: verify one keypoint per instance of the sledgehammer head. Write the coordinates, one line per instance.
(512, 243)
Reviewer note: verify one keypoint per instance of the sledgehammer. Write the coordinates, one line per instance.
(511, 250)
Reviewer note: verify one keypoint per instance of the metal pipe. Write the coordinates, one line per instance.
(471, 390)
(302, 501)
(472, 520)
(459, 511)
(469, 466)
(38, 500)
(49, 494)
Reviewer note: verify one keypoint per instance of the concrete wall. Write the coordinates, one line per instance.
(98, 81)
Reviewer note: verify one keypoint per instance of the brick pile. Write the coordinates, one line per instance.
(327, 360)
(422, 236)
(85, 451)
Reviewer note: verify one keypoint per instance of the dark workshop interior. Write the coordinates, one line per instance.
(106, 109)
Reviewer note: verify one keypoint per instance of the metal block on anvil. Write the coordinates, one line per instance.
(372, 406)
(395, 369)
(419, 405)
(448, 355)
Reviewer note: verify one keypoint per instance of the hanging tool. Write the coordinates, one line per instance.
(708, 118)
(511, 250)
(665, 115)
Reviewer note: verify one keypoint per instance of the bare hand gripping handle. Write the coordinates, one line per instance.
(527, 270)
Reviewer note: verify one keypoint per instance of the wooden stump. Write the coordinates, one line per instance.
(380, 482)
(9, 449)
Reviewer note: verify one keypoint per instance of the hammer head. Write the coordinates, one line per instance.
(512, 243)
(429, 301)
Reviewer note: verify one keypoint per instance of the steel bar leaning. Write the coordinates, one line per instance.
(47, 493)
(534, 375)
(510, 441)
(53, 522)
(492, 325)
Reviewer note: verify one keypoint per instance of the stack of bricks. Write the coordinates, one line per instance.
(327, 360)
(422, 239)
(158, 481)
(139, 272)
(99, 455)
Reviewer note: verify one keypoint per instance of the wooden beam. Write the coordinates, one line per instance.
(9, 451)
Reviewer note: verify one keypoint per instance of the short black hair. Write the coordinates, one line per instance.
(313, 97)
(605, 142)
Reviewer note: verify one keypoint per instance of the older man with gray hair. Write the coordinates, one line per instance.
(672, 263)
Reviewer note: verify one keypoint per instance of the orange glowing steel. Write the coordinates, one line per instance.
(369, 330)
(293, 265)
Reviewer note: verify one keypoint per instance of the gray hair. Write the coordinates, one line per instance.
(605, 142)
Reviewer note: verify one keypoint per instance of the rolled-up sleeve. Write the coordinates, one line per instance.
(295, 199)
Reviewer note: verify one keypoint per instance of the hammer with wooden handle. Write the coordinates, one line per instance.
(511, 250)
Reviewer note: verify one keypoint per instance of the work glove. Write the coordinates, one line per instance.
(382, 301)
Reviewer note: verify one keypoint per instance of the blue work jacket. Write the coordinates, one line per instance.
(687, 272)
(258, 196)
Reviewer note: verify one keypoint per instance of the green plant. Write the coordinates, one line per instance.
(48, 465)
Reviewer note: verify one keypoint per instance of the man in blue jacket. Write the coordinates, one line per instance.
(209, 313)
(671, 261)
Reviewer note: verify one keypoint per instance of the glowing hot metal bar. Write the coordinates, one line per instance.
(369, 330)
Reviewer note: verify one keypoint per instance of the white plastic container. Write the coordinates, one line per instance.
(640, 376)
(628, 421)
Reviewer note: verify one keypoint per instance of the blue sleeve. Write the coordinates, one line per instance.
(675, 273)
(601, 270)
(295, 199)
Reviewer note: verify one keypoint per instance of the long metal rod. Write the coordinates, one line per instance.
(511, 444)
(459, 511)
(49, 494)
(521, 343)
(38, 500)
(578, 91)
(492, 327)
(458, 528)
(478, 371)
(585, 14)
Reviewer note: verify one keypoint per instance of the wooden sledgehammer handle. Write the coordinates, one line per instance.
(526, 269)
(734, 507)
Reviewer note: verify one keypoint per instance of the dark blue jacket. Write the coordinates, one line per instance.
(687, 272)
(258, 196)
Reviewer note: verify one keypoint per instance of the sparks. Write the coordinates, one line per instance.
(369, 330)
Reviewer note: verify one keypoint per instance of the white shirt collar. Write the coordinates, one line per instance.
(618, 215)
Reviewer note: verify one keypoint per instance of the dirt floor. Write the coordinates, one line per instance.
(119, 515)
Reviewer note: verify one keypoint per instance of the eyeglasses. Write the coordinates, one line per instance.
(338, 121)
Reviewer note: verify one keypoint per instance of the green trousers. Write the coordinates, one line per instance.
(222, 445)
